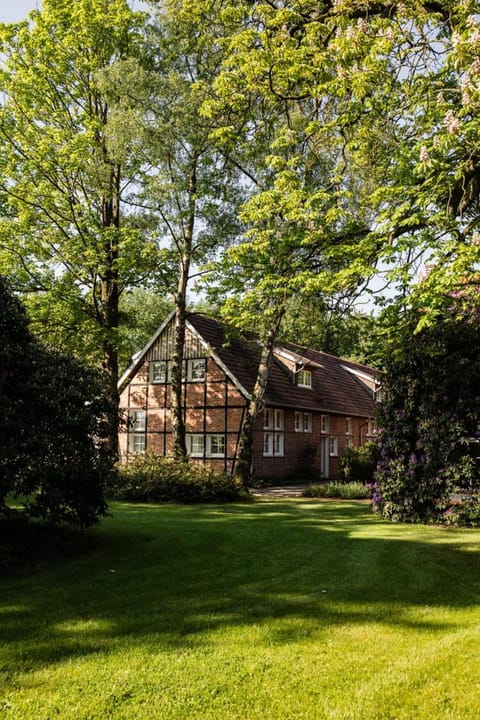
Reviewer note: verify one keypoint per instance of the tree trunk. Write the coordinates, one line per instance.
(109, 297)
(178, 421)
(243, 468)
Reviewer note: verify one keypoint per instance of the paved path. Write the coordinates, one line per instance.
(284, 491)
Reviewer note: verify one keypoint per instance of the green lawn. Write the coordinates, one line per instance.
(282, 609)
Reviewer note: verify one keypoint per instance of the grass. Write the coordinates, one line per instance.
(346, 490)
(277, 610)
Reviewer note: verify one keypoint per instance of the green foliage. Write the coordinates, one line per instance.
(152, 478)
(429, 417)
(344, 490)
(52, 427)
(358, 464)
(464, 512)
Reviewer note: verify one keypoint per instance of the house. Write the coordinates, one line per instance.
(316, 405)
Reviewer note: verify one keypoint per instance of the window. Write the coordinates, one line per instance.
(324, 423)
(278, 415)
(158, 372)
(199, 445)
(195, 445)
(303, 422)
(304, 378)
(196, 370)
(216, 446)
(348, 426)
(333, 445)
(268, 444)
(137, 443)
(278, 444)
(268, 418)
(298, 422)
(137, 420)
(349, 441)
(273, 444)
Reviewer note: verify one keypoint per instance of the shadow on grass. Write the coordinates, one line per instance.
(172, 577)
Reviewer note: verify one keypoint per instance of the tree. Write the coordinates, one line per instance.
(429, 418)
(68, 164)
(430, 205)
(192, 186)
(53, 427)
(293, 72)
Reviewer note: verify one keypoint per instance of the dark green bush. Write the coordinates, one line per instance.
(153, 478)
(357, 464)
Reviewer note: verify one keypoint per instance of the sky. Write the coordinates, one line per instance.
(14, 10)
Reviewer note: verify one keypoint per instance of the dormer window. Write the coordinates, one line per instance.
(304, 378)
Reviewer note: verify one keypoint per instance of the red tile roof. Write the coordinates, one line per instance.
(337, 386)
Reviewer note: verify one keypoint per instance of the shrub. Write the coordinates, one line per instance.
(345, 491)
(464, 512)
(154, 478)
(357, 464)
(52, 426)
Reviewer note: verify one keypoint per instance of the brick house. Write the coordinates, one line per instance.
(316, 404)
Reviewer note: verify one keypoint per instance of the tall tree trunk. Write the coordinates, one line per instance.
(109, 296)
(243, 468)
(178, 421)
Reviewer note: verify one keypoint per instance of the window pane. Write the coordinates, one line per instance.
(298, 422)
(267, 444)
(158, 372)
(267, 418)
(137, 420)
(197, 369)
(325, 423)
(304, 377)
(333, 446)
(278, 444)
(217, 445)
(307, 422)
(138, 443)
(278, 419)
(197, 445)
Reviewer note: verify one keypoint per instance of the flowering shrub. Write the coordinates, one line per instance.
(429, 420)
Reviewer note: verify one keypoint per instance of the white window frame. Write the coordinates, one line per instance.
(158, 372)
(298, 421)
(307, 422)
(210, 442)
(278, 444)
(137, 443)
(268, 419)
(279, 419)
(324, 424)
(273, 444)
(268, 444)
(195, 444)
(333, 446)
(348, 426)
(196, 370)
(137, 421)
(304, 378)
(349, 441)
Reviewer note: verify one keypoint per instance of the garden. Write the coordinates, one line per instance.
(267, 610)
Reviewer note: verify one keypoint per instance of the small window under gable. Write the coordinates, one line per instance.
(304, 378)
(158, 372)
(196, 370)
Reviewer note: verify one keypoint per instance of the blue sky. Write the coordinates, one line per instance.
(14, 10)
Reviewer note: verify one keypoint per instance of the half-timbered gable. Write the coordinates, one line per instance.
(316, 405)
